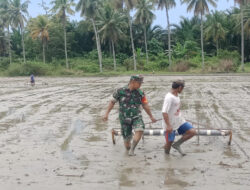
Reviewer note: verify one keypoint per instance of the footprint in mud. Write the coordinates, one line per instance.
(124, 181)
(199, 150)
(230, 153)
(125, 174)
(224, 165)
(94, 139)
(171, 179)
(82, 107)
(3, 114)
(99, 125)
(175, 182)
(84, 161)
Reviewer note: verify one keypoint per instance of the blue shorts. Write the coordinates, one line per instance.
(184, 128)
(181, 130)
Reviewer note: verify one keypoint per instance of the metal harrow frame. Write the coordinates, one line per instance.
(161, 132)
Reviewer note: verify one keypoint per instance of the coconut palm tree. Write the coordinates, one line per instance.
(200, 7)
(247, 19)
(89, 9)
(157, 32)
(186, 30)
(128, 5)
(45, 7)
(62, 8)
(167, 4)
(242, 4)
(4, 8)
(144, 16)
(39, 28)
(214, 28)
(112, 22)
(18, 12)
(2, 36)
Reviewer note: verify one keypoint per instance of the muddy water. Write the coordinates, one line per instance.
(52, 136)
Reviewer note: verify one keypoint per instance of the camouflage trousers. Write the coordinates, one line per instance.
(135, 124)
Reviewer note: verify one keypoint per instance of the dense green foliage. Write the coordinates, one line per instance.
(40, 40)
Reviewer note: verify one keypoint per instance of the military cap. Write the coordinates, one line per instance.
(138, 78)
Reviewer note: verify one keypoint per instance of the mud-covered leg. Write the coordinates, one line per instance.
(189, 134)
(177, 146)
(127, 135)
(136, 139)
(127, 144)
(167, 147)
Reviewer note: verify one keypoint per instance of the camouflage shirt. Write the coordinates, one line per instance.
(129, 102)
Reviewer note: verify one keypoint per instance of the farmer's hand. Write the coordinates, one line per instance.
(169, 129)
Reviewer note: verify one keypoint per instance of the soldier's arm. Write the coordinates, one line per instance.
(110, 107)
(148, 111)
(111, 104)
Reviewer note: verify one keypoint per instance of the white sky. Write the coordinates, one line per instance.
(174, 14)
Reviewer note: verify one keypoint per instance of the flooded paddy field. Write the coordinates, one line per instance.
(52, 136)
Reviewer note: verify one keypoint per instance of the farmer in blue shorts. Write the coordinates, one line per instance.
(173, 120)
(32, 80)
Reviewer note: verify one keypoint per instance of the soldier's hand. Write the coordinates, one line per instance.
(153, 119)
(105, 118)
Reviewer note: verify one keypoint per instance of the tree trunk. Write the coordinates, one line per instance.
(169, 40)
(98, 45)
(24, 58)
(146, 46)
(132, 40)
(110, 49)
(217, 47)
(65, 41)
(9, 44)
(202, 50)
(113, 49)
(43, 41)
(242, 39)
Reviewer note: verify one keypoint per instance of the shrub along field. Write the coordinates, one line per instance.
(225, 62)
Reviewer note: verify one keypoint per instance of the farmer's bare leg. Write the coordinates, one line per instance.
(189, 134)
(167, 147)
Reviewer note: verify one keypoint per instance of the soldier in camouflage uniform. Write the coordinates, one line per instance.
(130, 99)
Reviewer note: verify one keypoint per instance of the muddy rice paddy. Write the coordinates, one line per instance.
(52, 136)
